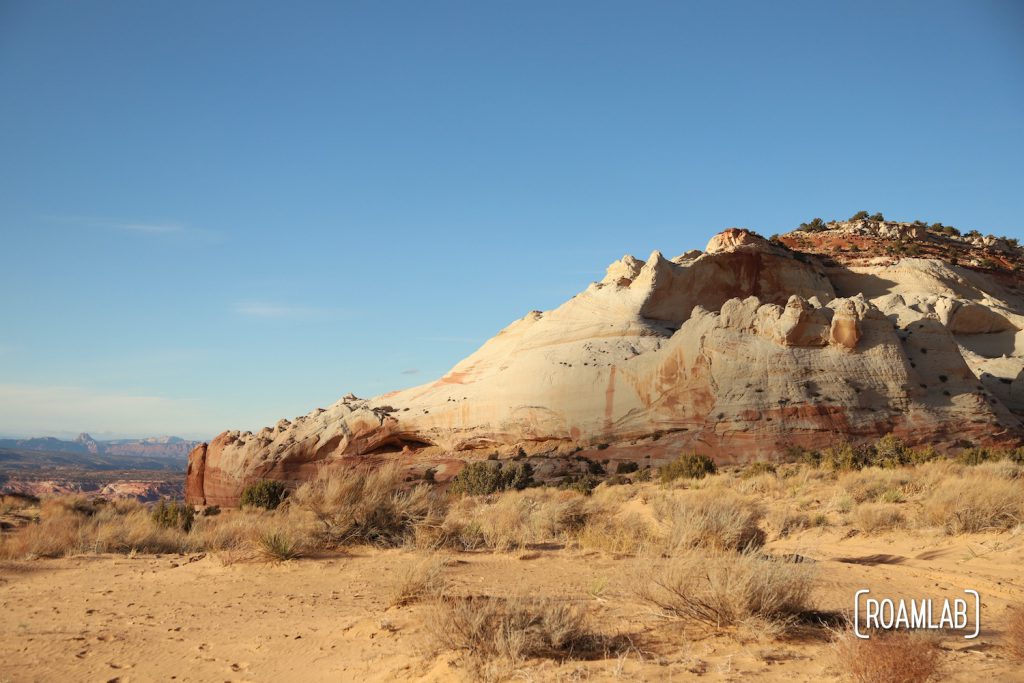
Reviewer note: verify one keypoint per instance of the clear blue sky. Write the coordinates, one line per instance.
(217, 214)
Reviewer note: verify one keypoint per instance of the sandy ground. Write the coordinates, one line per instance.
(190, 618)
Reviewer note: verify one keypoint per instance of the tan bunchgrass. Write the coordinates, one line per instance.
(708, 519)
(725, 589)
(974, 503)
(895, 657)
(75, 525)
(872, 518)
(621, 534)
(507, 521)
(275, 545)
(872, 484)
(511, 629)
(1013, 636)
(419, 580)
(365, 505)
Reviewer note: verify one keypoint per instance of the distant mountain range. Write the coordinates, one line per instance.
(171, 447)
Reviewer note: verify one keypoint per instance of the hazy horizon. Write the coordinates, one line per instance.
(219, 215)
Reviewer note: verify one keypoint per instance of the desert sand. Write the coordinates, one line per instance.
(208, 616)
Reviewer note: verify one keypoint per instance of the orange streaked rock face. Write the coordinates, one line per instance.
(737, 352)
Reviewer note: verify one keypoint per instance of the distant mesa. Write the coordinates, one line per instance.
(842, 330)
(155, 447)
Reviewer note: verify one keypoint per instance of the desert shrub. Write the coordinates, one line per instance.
(922, 454)
(859, 216)
(365, 505)
(895, 657)
(979, 455)
(69, 526)
(709, 519)
(786, 521)
(279, 546)
(974, 503)
(1013, 636)
(266, 494)
(174, 515)
(1000, 469)
(890, 451)
(874, 517)
(688, 466)
(511, 520)
(872, 483)
(512, 629)
(490, 476)
(756, 469)
(626, 467)
(814, 225)
(417, 581)
(620, 534)
(726, 589)
(845, 456)
(584, 484)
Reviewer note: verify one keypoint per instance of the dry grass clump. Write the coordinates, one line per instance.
(895, 657)
(974, 503)
(872, 518)
(626, 534)
(74, 525)
(718, 520)
(507, 521)
(279, 546)
(728, 589)
(353, 505)
(417, 581)
(874, 484)
(1013, 637)
(786, 521)
(511, 629)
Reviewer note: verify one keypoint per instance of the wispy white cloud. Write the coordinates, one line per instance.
(269, 310)
(411, 371)
(151, 228)
(38, 409)
(140, 227)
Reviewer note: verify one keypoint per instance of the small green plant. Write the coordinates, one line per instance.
(278, 546)
(859, 216)
(890, 451)
(266, 494)
(584, 484)
(174, 515)
(845, 456)
(482, 478)
(626, 467)
(688, 466)
(755, 469)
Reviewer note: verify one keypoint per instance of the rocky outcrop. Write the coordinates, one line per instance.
(737, 352)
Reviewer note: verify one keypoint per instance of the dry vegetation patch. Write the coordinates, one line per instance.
(974, 503)
(896, 657)
(726, 589)
(418, 580)
(719, 520)
(1013, 638)
(512, 629)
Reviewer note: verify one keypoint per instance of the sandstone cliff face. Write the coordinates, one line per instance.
(737, 352)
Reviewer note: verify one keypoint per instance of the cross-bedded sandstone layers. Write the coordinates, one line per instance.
(737, 352)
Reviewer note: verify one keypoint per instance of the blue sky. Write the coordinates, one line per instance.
(217, 214)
